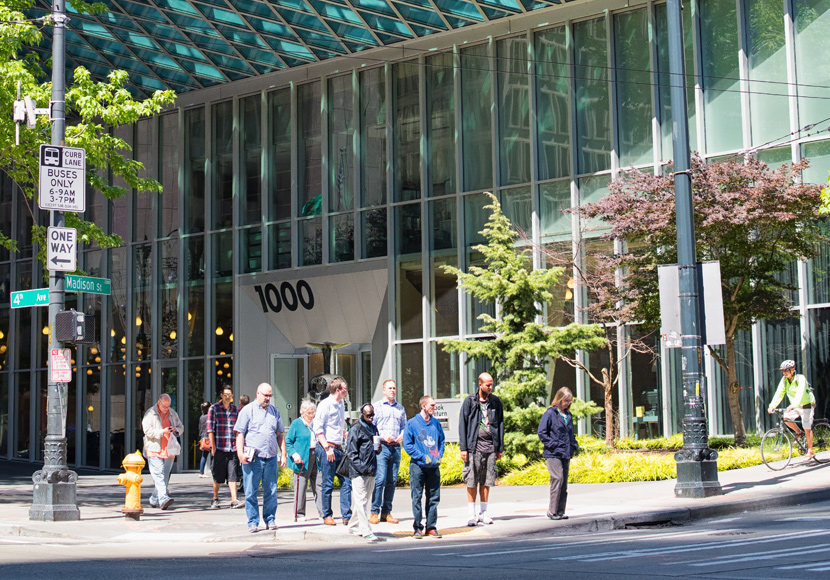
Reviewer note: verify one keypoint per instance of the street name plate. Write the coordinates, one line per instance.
(60, 365)
(61, 249)
(87, 284)
(62, 185)
(27, 298)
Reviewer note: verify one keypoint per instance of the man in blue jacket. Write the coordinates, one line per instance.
(423, 440)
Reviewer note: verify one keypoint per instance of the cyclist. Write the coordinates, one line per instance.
(802, 402)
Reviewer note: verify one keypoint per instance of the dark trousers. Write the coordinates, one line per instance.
(558, 470)
(327, 473)
(425, 482)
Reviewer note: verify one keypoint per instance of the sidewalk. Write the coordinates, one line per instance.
(518, 511)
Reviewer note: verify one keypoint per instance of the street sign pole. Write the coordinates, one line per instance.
(54, 497)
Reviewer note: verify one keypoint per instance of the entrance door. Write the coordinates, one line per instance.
(178, 402)
(288, 374)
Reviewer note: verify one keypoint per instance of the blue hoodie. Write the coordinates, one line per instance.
(422, 440)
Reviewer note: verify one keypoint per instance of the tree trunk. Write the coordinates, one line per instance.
(733, 389)
(607, 387)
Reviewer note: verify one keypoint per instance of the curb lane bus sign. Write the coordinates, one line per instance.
(60, 367)
(61, 249)
(26, 298)
(62, 185)
(87, 284)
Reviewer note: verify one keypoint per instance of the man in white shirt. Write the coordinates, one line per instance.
(330, 430)
(390, 419)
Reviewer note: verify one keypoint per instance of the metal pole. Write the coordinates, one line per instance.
(54, 496)
(697, 469)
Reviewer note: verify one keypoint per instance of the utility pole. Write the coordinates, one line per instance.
(54, 495)
(697, 468)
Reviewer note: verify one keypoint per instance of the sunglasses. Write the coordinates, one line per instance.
(368, 414)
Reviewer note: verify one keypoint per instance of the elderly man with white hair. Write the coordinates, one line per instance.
(161, 427)
(260, 444)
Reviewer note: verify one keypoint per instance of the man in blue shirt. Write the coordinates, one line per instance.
(390, 419)
(329, 428)
(260, 436)
(423, 440)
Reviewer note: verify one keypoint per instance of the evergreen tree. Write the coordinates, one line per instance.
(521, 347)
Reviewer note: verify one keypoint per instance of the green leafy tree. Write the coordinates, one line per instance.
(521, 347)
(92, 109)
(753, 220)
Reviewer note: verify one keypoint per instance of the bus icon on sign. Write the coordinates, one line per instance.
(51, 156)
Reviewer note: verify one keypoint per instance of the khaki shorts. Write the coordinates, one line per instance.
(479, 469)
(806, 416)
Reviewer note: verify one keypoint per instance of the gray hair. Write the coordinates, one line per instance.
(306, 405)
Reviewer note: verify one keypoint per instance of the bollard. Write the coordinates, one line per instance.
(132, 464)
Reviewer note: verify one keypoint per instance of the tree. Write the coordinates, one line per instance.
(521, 347)
(608, 309)
(92, 108)
(751, 219)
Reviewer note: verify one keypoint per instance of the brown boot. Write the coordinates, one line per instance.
(329, 521)
(373, 519)
(389, 518)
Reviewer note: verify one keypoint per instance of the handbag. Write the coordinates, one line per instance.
(204, 443)
(342, 470)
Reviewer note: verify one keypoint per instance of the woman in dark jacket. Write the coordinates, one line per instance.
(361, 449)
(556, 431)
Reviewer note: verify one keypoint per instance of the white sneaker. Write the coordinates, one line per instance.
(370, 537)
(484, 518)
(301, 518)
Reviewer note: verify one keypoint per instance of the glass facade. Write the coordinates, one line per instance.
(382, 168)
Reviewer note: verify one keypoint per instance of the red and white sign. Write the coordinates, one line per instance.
(60, 365)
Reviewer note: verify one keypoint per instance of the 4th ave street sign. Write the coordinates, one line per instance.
(27, 298)
(62, 185)
(87, 284)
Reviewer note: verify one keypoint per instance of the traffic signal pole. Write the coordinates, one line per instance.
(54, 496)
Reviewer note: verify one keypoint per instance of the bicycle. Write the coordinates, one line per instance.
(777, 443)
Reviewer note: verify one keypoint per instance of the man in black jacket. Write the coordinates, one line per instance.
(481, 440)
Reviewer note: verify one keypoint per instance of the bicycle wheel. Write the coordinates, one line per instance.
(776, 449)
(821, 442)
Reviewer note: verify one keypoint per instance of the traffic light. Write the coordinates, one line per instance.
(75, 327)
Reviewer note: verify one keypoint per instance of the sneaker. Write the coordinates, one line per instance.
(434, 533)
(417, 535)
(370, 537)
(389, 518)
(473, 522)
(329, 521)
(154, 504)
(253, 528)
(214, 505)
(354, 531)
(557, 516)
(202, 476)
(166, 503)
(301, 518)
(235, 504)
(271, 525)
(373, 519)
(484, 518)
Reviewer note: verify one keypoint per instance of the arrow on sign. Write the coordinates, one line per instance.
(55, 260)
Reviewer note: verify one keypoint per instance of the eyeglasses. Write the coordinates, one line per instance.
(368, 414)
(431, 406)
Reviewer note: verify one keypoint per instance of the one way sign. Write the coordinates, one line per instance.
(61, 249)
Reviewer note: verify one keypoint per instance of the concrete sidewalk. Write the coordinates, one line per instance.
(517, 511)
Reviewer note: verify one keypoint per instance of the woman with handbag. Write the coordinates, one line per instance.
(362, 448)
(300, 446)
(204, 442)
(556, 432)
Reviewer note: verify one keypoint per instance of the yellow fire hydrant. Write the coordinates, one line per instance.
(133, 464)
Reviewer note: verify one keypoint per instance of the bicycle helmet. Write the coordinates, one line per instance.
(787, 364)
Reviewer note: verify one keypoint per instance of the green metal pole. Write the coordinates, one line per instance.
(54, 495)
(697, 471)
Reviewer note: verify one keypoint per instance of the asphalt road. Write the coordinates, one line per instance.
(781, 543)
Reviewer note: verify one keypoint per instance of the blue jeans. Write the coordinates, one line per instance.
(160, 468)
(203, 461)
(425, 481)
(256, 471)
(327, 469)
(389, 460)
